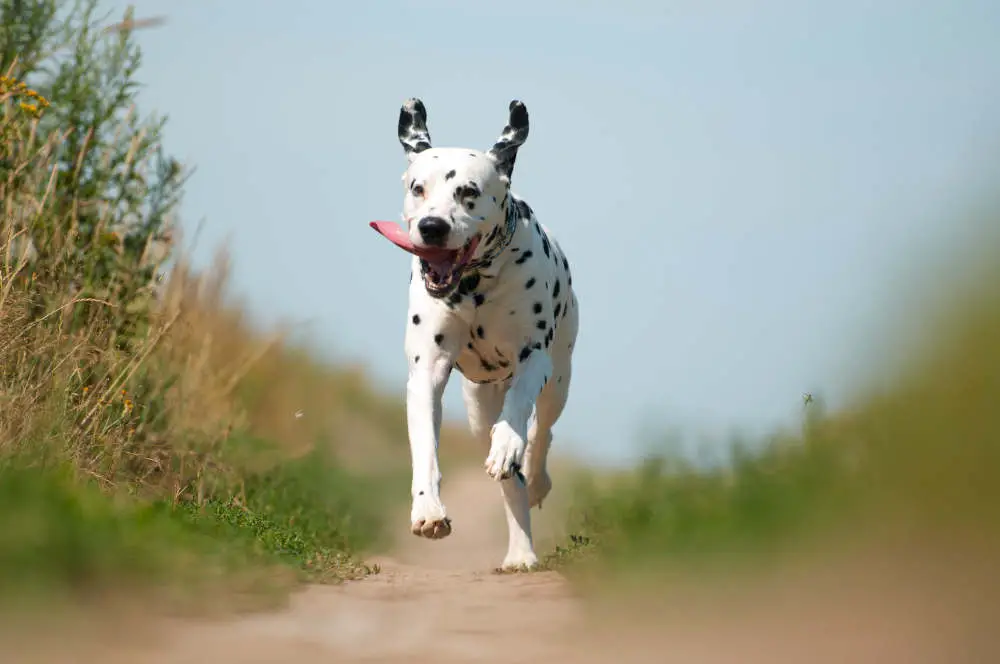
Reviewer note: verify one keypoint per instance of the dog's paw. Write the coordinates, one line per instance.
(506, 452)
(539, 486)
(428, 518)
(519, 561)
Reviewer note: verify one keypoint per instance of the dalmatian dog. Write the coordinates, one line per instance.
(491, 296)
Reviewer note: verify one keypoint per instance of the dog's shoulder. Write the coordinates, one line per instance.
(533, 287)
(536, 253)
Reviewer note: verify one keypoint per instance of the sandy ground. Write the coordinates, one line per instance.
(438, 601)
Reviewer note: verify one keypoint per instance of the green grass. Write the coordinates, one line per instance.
(299, 520)
(668, 510)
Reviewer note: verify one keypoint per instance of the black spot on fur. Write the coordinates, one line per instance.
(455, 298)
(559, 379)
(545, 246)
(523, 209)
(421, 493)
(480, 332)
(449, 175)
(525, 352)
(469, 283)
(542, 325)
(525, 256)
(486, 365)
(514, 250)
(537, 345)
(479, 298)
(416, 358)
(416, 319)
(555, 291)
(472, 154)
(537, 308)
(438, 338)
(565, 264)
(558, 308)
(469, 345)
(512, 312)
(530, 283)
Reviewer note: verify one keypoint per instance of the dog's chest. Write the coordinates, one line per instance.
(520, 311)
(490, 349)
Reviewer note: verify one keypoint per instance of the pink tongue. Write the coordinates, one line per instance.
(399, 237)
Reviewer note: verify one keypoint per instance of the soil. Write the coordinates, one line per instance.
(439, 601)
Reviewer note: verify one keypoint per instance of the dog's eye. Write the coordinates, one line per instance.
(418, 190)
(466, 192)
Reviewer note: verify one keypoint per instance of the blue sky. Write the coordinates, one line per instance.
(742, 188)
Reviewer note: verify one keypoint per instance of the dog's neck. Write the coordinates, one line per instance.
(498, 240)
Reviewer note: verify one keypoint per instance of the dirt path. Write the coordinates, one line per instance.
(433, 601)
(439, 602)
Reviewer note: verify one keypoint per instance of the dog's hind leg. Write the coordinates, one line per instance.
(548, 409)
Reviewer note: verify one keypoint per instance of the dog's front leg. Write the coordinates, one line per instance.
(507, 447)
(429, 369)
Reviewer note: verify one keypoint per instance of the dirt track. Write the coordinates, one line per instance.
(432, 601)
(438, 601)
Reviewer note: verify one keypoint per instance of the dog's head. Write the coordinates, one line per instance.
(454, 197)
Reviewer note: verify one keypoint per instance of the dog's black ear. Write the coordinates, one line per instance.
(504, 151)
(412, 130)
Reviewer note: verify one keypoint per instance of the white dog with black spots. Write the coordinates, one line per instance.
(490, 295)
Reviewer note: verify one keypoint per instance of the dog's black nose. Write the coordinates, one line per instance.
(433, 230)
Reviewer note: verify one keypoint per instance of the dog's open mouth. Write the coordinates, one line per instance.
(441, 267)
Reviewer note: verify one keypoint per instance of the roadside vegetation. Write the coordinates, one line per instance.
(151, 438)
(911, 466)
